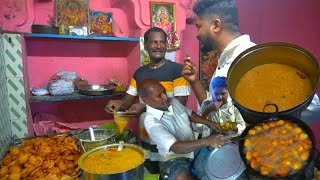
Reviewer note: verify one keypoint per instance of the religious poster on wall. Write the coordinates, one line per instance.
(208, 65)
(71, 13)
(162, 15)
(101, 23)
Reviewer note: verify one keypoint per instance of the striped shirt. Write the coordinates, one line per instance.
(169, 75)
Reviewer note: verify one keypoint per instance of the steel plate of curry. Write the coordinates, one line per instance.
(112, 161)
(272, 83)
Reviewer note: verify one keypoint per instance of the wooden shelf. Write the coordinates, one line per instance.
(102, 38)
(74, 96)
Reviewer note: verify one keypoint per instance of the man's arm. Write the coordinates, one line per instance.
(182, 99)
(200, 120)
(190, 73)
(183, 147)
(127, 101)
(123, 104)
(199, 90)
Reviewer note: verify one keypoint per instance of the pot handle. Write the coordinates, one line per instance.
(317, 153)
(81, 144)
(317, 158)
(271, 104)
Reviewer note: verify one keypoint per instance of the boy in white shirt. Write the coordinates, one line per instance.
(219, 108)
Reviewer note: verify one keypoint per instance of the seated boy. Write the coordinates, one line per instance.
(220, 109)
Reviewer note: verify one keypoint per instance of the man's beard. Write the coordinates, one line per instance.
(206, 48)
(207, 44)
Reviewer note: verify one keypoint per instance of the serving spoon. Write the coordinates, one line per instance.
(120, 147)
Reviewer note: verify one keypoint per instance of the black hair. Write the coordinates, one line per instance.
(219, 82)
(225, 10)
(153, 29)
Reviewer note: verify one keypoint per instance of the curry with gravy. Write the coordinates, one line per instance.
(112, 161)
(273, 83)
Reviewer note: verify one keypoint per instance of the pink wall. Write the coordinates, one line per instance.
(96, 61)
(190, 46)
(291, 21)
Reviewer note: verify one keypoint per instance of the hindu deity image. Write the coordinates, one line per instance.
(101, 23)
(71, 13)
(173, 41)
(162, 17)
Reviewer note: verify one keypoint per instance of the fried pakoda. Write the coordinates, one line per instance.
(4, 171)
(40, 158)
(281, 149)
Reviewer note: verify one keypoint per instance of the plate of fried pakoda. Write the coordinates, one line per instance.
(53, 157)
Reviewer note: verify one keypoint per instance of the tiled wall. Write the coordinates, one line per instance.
(15, 84)
(5, 127)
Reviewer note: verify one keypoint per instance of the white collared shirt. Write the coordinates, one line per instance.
(228, 55)
(167, 127)
(227, 112)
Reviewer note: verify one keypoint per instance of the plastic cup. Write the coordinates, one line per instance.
(121, 122)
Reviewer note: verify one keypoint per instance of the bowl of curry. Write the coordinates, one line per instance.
(107, 162)
(273, 78)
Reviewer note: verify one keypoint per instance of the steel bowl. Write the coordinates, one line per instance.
(102, 137)
(96, 90)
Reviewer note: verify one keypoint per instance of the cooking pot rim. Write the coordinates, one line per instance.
(108, 136)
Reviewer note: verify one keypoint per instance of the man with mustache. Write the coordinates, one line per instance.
(166, 72)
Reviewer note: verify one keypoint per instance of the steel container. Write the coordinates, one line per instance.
(102, 137)
(96, 90)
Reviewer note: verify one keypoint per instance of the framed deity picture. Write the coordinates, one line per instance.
(101, 23)
(208, 65)
(72, 13)
(163, 15)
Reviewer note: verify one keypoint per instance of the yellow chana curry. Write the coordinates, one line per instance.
(112, 161)
(273, 83)
(277, 148)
